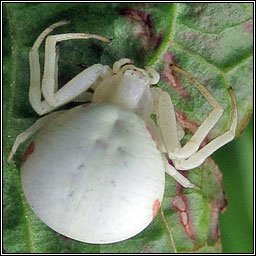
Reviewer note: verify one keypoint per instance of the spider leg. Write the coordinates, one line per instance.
(177, 176)
(30, 131)
(193, 144)
(199, 157)
(164, 111)
(79, 84)
(162, 133)
(157, 134)
(35, 94)
(167, 123)
(188, 156)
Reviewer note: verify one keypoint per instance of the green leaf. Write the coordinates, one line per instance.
(213, 42)
(236, 163)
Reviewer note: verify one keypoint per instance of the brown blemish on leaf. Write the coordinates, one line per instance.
(172, 78)
(224, 206)
(180, 204)
(185, 123)
(218, 201)
(214, 232)
(29, 151)
(156, 207)
(222, 201)
(143, 27)
(184, 218)
(214, 222)
(217, 173)
(189, 125)
(170, 58)
(243, 123)
(248, 27)
(218, 204)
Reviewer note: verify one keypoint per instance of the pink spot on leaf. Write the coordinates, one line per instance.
(156, 207)
(172, 78)
(180, 204)
(189, 125)
(170, 58)
(29, 151)
(248, 27)
(143, 27)
(214, 227)
(185, 123)
(244, 123)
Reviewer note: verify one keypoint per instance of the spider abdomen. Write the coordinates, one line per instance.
(95, 174)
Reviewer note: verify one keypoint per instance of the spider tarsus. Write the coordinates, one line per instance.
(197, 187)
(66, 22)
(193, 186)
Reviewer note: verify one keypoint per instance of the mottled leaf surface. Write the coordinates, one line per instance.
(213, 42)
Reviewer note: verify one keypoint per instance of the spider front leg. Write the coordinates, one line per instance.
(194, 143)
(53, 97)
(188, 156)
(200, 156)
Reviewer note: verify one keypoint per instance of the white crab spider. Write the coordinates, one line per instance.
(94, 172)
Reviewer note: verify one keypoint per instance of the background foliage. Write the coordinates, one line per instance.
(211, 41)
